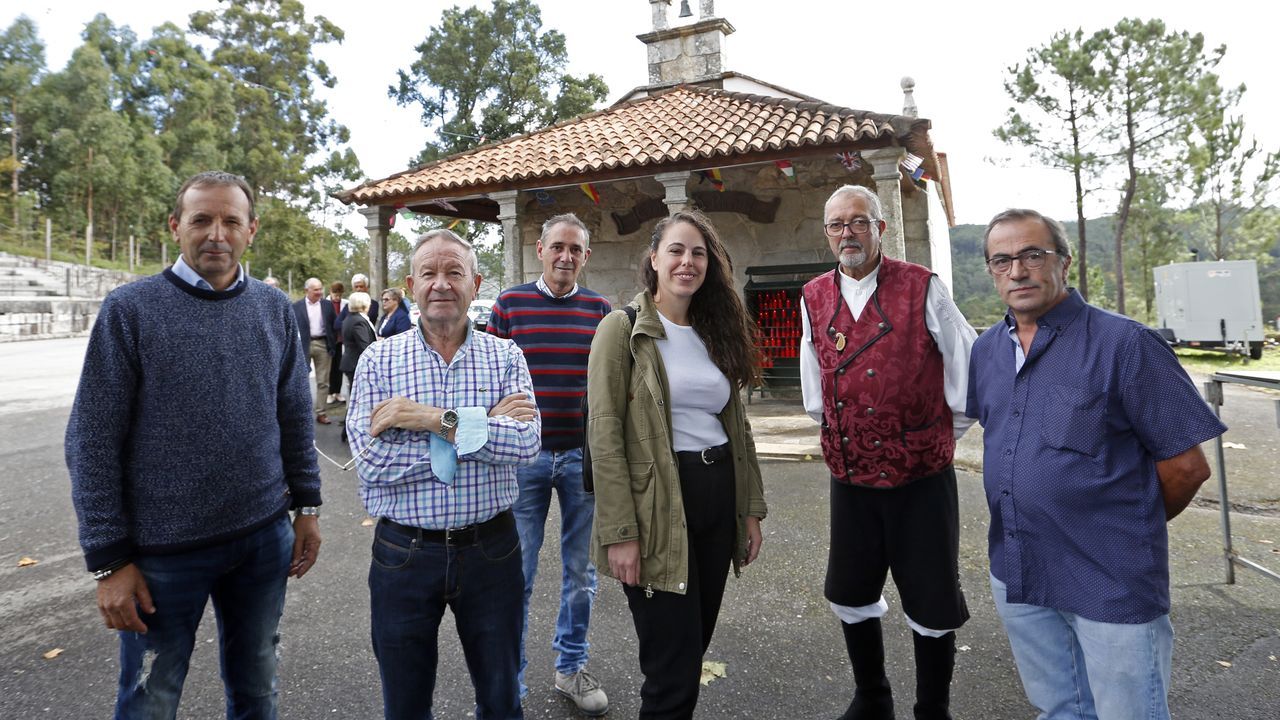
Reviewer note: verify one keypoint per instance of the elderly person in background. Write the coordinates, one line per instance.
(359, 283)
(336, 289)
(315, 318)
(395, 316)
(357, 334)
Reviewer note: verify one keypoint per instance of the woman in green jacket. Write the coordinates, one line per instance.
(678, 490)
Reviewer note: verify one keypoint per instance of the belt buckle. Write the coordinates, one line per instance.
(456, 536)
(705, 459)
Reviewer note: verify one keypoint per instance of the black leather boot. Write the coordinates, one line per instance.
(935, 661)
(872, 699)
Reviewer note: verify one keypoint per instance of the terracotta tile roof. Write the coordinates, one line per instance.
(685, 127)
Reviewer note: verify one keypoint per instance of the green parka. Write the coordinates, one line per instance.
(637, 479)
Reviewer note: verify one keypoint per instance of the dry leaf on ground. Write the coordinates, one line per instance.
(368, 522)
(1224, 663)
(712, 670)
(28, 562)
(53, 653)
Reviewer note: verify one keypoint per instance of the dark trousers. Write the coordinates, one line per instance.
(335, 371)
(674, 630)
(411, 583)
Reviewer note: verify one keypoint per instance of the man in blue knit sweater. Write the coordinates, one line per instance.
(189, 442)
(553, 320)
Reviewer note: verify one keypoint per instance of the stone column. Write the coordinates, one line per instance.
(677, 193)
(512, 247)
(884, 164)
(378, 224)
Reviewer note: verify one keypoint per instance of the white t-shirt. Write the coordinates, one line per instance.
(699, 391)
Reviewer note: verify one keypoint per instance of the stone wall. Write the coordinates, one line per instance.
(42, 318)
(794, 236)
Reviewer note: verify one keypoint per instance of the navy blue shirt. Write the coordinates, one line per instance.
(1071, 442)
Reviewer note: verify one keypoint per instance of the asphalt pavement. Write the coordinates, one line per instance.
(781, 646)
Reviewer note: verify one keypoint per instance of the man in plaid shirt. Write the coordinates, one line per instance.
(440, 419)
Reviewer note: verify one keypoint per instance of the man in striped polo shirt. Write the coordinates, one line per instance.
(553, 320)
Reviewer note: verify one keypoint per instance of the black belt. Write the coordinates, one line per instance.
(710, 456)
(456, 536)
(317, 337)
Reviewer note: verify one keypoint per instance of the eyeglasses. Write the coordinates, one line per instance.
(344, 467)
(857, 226)
(1032, 259)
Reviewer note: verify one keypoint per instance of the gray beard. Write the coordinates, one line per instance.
(855, 260)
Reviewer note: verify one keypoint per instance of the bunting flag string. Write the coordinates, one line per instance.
(544, 198)
(443, 203)
(712, 176)
(786, 168)
(850, 160)
(591, 192)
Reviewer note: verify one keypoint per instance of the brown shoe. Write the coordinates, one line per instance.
(323, 419)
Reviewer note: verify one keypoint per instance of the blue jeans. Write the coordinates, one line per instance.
(1076, 668)
(411, 581)
(246, 579)
(561, 470)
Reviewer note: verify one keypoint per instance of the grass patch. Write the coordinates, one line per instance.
(1206, 363)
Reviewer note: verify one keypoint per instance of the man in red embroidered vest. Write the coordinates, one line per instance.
(884, 361)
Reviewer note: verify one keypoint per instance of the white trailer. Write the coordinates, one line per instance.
(1214, 305)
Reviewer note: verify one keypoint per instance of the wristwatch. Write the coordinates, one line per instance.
(448, 421)
(309, 510)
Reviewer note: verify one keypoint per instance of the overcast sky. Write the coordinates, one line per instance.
(850, 54)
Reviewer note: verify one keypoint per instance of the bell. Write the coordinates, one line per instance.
(684, 9)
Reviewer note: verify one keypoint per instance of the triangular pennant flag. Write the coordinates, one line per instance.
(591, 192)
(712, 175)
(785, 167)
(914, 165)
(453, 224)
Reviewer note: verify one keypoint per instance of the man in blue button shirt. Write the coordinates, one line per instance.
(1092, 443)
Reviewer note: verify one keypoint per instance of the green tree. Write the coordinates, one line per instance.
(1156, 83)
(21, 65)
(191, 101)
(288, 241)
(1056, 91)
(135, 200)
(488, 75)
(86, 147)
(282, 130)
(1231, 179)
(1154, 236)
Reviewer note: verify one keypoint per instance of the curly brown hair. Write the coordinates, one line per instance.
(715, 311)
